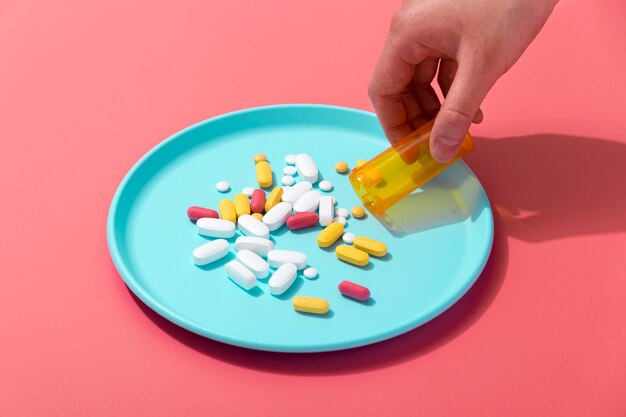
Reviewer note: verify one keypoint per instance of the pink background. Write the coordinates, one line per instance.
(87, 87)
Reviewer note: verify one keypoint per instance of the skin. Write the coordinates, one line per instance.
(467, 45)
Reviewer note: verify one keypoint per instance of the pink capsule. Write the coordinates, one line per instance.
(257, 202)
(302, 220)
(196, 213)
(352, 290)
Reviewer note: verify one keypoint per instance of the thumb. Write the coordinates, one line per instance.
(470, 86)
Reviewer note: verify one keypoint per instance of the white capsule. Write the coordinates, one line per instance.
(342, 212)
(250, 226)
(348, 237)
(277, 216)
(248, 191)
(287, 180)
(210, 252)
(308, 202)
(326, 210)
(325, 185)
(208, 226)
(278, 257)
(290, 159)
(307, 170)
(310, 273)
(254, 263)
(240, 275)
(340, 219)
(282, 278)
(257, 245)
(292, 194)
(289, 170)
(222, 186)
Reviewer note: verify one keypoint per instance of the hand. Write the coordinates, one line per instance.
(471, 42)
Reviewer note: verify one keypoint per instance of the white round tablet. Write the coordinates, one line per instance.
(342, 212)
(287, 180)
(326, 185)
(222, 186)
(310, 273)
(289, 170)
(290, 159)
(248, 191)
(340, 219)
(348, 237)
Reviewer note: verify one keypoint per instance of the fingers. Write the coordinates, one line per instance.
(447, 71)
(464, 96)
(422, 89)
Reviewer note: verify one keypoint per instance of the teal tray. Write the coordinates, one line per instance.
(439, 238)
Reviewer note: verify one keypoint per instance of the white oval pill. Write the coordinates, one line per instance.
(307, 170)
(222, 186)
(282, 278)
(326, 210)
(292, 194)
(254, 263)
(248, 191)
(240, 275)
(277, 216)
(340, 219)
(289, 170)
(208, 226)
(257, 245)
(287, 180)
(278, 257)
(290, 159)
(310, 273)
(308, 202)
(342, 212)
(250, 226)
(325, 185)
(348, 237)
(210, 252)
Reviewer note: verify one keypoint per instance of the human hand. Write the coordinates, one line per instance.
(471, 42)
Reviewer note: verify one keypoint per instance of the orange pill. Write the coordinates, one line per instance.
(358, 212)
(341, 167)
(258, 216)
(258, 157)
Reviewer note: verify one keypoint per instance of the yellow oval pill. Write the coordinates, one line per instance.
(258, 157)
(227, 210)
(360, 162)
(330, 234)
(352, 255)
(264, 174)
(274, 198)
(258, 216)
(341, 167)
(310, 304)
(371, 246)
(242, 205)
(358, 212)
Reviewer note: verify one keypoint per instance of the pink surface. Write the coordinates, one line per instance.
(87, 87)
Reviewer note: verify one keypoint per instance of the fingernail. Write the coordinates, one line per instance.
(444, 149)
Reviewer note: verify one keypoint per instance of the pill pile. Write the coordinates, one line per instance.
(296, 205)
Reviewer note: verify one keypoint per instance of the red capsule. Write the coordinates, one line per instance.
(196, 213)
(302, 220)
(257, 203)
(352, 290)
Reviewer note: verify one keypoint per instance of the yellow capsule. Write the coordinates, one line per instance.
(264, 174)
(258, 216)
(330, 234)
(227, 210)
(310, 304)
(360, 162)
(358, 212)
(274, 198)
(258, 157)
(242, 205)
(371, 246)
(373, 177)
(341, 167)
(352, 255)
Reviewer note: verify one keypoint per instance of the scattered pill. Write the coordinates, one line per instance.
(292, 194)
(210, 252)
(348, 237)
(308, 202)
(257, 245)
(257, 216)
(290, 159)
(250, 226)
(339, 219)
(287, 180)
(342, 212)
(360, 162)
(248, 191)
(264, 174)
(310, 272)
(282, 278)
(222, 186)
(278, 257)
(227, 210)
(194, 213)
(240, 275)
(257, 202)
(302, 220)
(353, 290)
(330, 234)
(242, 204)
(254, 263)
(215, 227)
(259, 157)
(358, 212)
(289, 170)
(371, 246)
(352, 255)
(310, 305)
(326, 210)
(277, 216)
(274, 198)
(307, 170)
(326, 185)
(341, 167)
